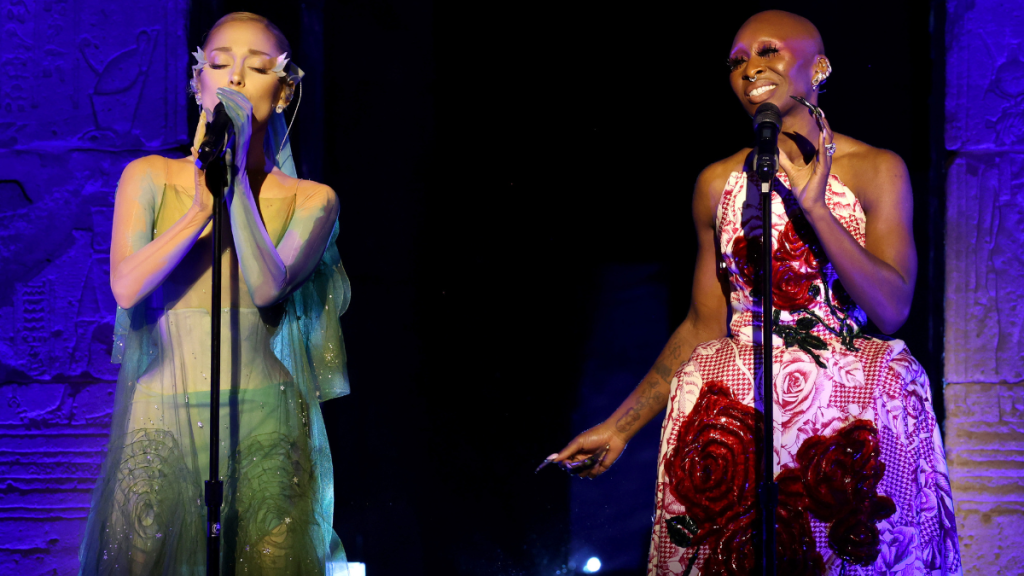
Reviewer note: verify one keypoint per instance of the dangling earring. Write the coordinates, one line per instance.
(194, 89)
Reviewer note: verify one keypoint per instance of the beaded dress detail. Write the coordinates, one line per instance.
(846, 406)
(148, 515)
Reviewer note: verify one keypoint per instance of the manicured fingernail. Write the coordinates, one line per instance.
(553, 456)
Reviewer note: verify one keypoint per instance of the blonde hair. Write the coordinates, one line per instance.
(282, 42)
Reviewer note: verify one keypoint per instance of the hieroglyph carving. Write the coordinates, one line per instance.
(104, 74)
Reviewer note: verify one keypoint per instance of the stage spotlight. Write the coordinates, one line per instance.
(354, 568)
(592, 565)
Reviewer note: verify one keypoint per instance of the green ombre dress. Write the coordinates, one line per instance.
(148, 513)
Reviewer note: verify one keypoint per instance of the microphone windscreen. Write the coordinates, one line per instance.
(767, 112)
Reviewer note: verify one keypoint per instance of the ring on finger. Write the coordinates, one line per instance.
(830, 149)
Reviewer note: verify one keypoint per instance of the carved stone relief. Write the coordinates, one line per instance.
(985, 76)
(984, 348)
(99, 74)
(985, 269)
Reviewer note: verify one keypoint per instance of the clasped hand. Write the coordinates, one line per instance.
(239, 110)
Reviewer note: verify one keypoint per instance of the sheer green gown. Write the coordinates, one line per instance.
(148, 513)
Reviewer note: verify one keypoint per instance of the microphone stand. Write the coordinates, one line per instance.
(214, 487)
(769, 488)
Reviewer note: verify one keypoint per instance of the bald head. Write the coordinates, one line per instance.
(776, 55)
(781, 25)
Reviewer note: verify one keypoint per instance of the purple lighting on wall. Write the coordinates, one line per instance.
(89, 86)
(984, 350)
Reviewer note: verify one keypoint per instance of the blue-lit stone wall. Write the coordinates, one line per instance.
(984, 354)
(86, 87)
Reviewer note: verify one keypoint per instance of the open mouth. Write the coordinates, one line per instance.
(762, 90)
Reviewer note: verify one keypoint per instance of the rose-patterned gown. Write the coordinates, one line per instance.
(831, 383)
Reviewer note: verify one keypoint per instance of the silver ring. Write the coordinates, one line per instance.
(830, 149)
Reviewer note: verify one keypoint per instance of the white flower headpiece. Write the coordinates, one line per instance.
(284, 68)
(200, 57)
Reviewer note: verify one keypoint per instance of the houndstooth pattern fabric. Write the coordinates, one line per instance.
(880, 381)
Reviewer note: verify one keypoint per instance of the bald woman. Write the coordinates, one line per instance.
(864, 487)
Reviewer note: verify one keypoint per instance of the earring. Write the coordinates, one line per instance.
(280, 108)
(828, 67)
(820, 77)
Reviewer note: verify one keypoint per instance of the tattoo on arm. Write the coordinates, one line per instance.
(676, 351)
(648, 399)
(664, 372)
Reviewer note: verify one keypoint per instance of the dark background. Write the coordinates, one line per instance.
(497, 163)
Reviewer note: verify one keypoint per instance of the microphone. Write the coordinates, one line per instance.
(219, 135)
(767, 122)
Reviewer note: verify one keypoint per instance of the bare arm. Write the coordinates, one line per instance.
(138, 263)
(705, 321)
(880, 276)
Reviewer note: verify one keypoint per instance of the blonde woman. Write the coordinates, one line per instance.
(282, 353)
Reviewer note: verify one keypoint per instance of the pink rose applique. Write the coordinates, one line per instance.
(897, 551)
(799, 389)
(845, 369)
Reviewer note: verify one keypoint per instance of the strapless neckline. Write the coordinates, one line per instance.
(805, 283)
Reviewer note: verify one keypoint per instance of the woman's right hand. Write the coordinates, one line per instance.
(203, 199)
(601, 440)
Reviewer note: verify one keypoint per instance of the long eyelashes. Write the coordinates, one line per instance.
(766, 51)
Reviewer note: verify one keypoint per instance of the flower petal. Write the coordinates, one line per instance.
(282, 61)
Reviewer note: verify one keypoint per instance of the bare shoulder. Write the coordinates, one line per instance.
(311, 194)
(144, 176)
(181, 171)
(711, 183)
(716, 174)
(153, 165)
(870, 172)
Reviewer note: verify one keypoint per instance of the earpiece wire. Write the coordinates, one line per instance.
(290, 123)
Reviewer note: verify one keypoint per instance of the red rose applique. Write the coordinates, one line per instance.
(714, 474)
(744, 254)
(793, 250)
(840, 475)
(794, 268)
(733, 553)
(714, 471)
(791, 288)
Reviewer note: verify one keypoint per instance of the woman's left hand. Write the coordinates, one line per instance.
(239, 109)
(808, 182)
